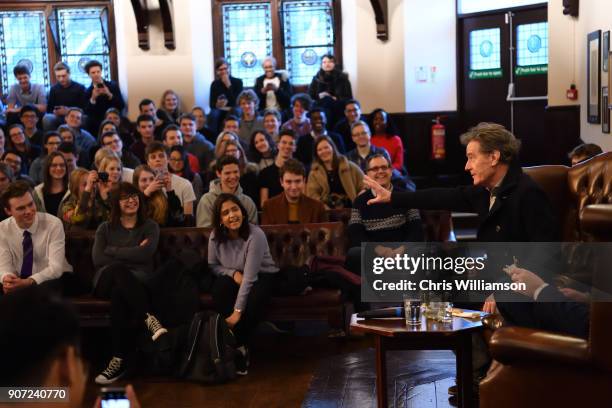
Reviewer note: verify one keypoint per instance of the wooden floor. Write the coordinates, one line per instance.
(294, 371)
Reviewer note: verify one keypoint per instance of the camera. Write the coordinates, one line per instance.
(114, 397)
(103, 176)
(100, 85)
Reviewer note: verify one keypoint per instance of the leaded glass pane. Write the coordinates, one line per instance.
(81, 40)
(23, 40)
(532, 44)
(308, 34)
(247, 39)
(485, 52)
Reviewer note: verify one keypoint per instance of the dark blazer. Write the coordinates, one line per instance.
(218, 88)
(96, 111)
(336, 83)
(283, 93)
(276, 211)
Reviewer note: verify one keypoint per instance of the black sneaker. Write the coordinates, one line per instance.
(115, 370)
(154, 326)
(242, 360)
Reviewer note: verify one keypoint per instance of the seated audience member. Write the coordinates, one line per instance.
(364, 149)
(201, 124)
(248, 170)
(6, 178)
(94, 203)
(271, 123)
(263, 149)
(249, 121)
(63, 94)
(333, 179)
(101, 95)
(68, 135)
(584, 152)
(105, 126)
(161, 119)
(19, 144)
(228, 181)
(123, 257)
(164, 209)
(13, 160)
(170, 104)
(178, 163)
(112, 141)
(23, 93)
(239, 255)
(83, 140)
(31, 245)
(124, 126)
(269, 178)
(51, 143)
(157, 159)
(305, 144)
(380, 223)
(273, 88)
(299, 123)
(50, 194)
(195, 143)
(70, 153)
(69, 208)
(125, 173)
(384, 136)
(172, 136)
(28, 116)
(2, 141)
(145, 127)
(292, 206)
(330, 88)
(352, 114)
(223, 93)
(231, 123)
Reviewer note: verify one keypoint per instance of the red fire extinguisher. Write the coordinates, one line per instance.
(438, 139)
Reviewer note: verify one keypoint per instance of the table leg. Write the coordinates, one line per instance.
(464, 370)
(381, 373)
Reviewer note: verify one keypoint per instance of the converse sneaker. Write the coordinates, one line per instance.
(114, 371)
(154, 327)
(242, 360)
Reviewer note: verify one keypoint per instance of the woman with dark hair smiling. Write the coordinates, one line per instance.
(123, 257)
(263, 149)
(20, 144)
(238, 253)
(333, 179)
(384, 135)
(178, 163)
(50, 194)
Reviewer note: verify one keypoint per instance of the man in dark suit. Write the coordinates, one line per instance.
(101, 96)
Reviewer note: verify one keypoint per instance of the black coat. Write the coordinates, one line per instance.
(97, 110)
(217, 88)
(283, 93)
(336, 83)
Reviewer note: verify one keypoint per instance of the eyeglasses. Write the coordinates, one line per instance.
(377, 169)
(133, 197)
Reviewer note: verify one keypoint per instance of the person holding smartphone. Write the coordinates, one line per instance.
(101, 95)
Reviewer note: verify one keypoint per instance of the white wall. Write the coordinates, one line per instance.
(567, 59)
(430, 66)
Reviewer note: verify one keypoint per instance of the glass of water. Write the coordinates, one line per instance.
(445, 312)
(412, 310)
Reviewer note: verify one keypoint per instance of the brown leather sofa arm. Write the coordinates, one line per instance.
(596, 219)
(513, 344)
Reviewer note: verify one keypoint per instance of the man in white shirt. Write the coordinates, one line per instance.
(31, 243)
(157, 158)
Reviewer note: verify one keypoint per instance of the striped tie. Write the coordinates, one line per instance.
(28, 255)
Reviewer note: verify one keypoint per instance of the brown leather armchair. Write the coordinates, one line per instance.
(539, 368)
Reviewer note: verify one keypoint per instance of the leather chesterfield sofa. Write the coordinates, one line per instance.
(540, 368)
(289, 245)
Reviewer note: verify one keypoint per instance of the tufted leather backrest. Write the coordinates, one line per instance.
(289, 245)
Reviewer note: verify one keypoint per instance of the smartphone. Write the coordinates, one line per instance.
(114, 397)
(100, 85)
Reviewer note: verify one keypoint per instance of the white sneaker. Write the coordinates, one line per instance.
(115, 370)
(154, 326)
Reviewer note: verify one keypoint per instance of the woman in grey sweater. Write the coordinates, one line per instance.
(238, 253)
(123, 257)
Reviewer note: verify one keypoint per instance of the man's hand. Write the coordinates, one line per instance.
(11, 283)
(238, 277)
(520, 275)
(575, 295)
(144, 242)
(381, 195)
(60, 111)
(233, 319)
(489, 305)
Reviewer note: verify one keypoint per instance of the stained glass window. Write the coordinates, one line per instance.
(23, 41)
(308, 35)
(485, 50)
(82, 38)
(247, 39)
(532, 44)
